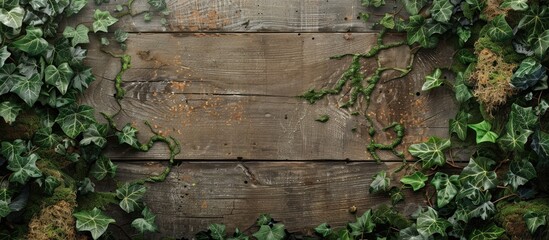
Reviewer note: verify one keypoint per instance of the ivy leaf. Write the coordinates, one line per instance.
(75, 7)
(411, 233)
(4, 55)
(93, 221)
(44, 137)
(522, 118)
(324, 229)
(238, 235)
(120, 35)
(396, 195)
(95, 134)
(535, 21)
(85, 186)
(416, 180)
(12, 150)
(465, 57)
(530, 71)
(514, 139)
(433, 80)
(23, 168)
(374, 3)
(478, 173)
(59, 77)
(102, 20)
(414, 6)
(103, 167)
(428, 223)
(82, 79)
(128, 135)
(380, 182)
(78, 35)
(130, 195)
(75, 119)
(534, 220)
(265, 232)
(4, 208)
(217, 231)
(8, 77)
(442, 10)
(417, 32)
(32, 43)
(146, 223)
(9, 111)
(28, 89)
(446, 188)
(499, 30)
(159, 5)
(483, 132)
(459, 124)
(388, 21)
(464, 34)
(264, 219)
(492, 232)
(540, 144)
(364, 224)
(12, 18)
(50, 184)
(520, 172)
(430, 153)
(517, 5)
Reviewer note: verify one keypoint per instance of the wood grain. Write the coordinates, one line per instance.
(229, 96)
(247, 16)
(299, 194)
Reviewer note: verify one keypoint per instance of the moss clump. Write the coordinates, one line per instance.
(96, 199)
(24, 128)
(505, 50)
(53, 222)
(511, 217)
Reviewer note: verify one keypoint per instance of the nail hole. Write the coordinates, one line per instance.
(245, 182)
(418, 93)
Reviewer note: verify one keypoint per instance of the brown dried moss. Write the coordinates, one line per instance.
(492, 9)
(492, 80)
(53, 222)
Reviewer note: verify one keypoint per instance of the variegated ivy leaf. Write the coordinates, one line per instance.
(12, 18)
(540, 44)
(373, 3)
(534, 220)
(75, 7)
(446, 186)
(266, 232)
(388, 21)
(483, 132)
(4, 55)
(75, 119)
(517, 5)
(9, 111)
(147, 222)
(428, 223)
(492, 232)
(263, 219)
(128, 136)
(8, 77)
(28, 89)
(103, 167)
(442, 10)
(364, 224)
(535, 21)
(120, 35)
(23, 168)
(499, 30)
(530, 71)
(479, 174)
(464, 34)
(77, 35)
(217, 231)
(458, 125)
(433, 81)
(416, 180)
(522, 117)
(11, 150)
(430, 153)
(418, 31)
(520, 172)
(32, 43)
(324, 229)
(130, 196)
(414, 6)
(94, 221)
(102, 20)
(59, 77)
(44, 137)
(95, 134)
(380, 182)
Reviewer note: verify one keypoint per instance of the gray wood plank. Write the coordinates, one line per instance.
(299, 194)
(228, 96)
(247, 16)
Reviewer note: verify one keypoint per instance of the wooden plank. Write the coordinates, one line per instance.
(299, 194)
(247, 16)
(233, 96)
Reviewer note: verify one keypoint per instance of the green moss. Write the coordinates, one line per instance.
(96, 199)
(500, 48)
(511, 216)
(323, 118)
(23, 128)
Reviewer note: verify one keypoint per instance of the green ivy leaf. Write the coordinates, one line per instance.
(102, 20)
(78, 35)
(492, 232)
(534, 220)
(499, 30)
(522, 118)
(364, 224)
(265, 232)
(103, 167)
(93, 221)
(517, 5)
(374, 3)
(8, 77)
(428, 223)
(217, 231)
(95, 134)
(12, 150)
(540, 144)
(32, 43)
(324, 229)
(130, 196)
(82, 79)
(416, 180)
(85, 186)
(413, 6)
(396, 195)
(4, 55)
(478, 173)
(535, 21)
(28, 89)
(128, 135)
(59, 77)
(442, 10)
(264, 219)
(483, 132)
(447, 188)
(75, 119)
(431, 152)
(158, 5)
(514, 139)
(146, 223)
(530, 71)
(44, 137)
(418, 32)
(520, 172)
(50, 184)
(23, 168)
(464, 34)
(433, 80)
(238, 235)
(459, 124)
(380, 182)
(12, 18)
(9, 111)
(75, 7)
(4, 208)
(411, 233)
(540, 44)
(388, 21)
(120, 35)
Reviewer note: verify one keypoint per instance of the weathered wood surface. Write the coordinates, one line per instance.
(299, 194)
(248, 16)
(229, 96)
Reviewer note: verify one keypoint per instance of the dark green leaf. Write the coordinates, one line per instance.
(8, 77)
(442, 10)
(50, 184)
(12, 150)
(93, 221)
(428, 223)
(44, 137)
(128, 136)
(530, 71)
(540, 44)
(103, 167)
(414, 6)
(78, 35)
(499, 30)
(102, 20)
(9, 111)
(120, 35)
(464, 34)
(324, 229)
(4, 208)
(433, 80)
(146, 223)
(265, 232)
(431, 152)
(59, 77)
(517, 5)
(28, 89)
(536, 20)
(446, 188)
(158, 5)
(32, 43)
(130, 196)
(4, 55)
(95, 134)
(492, 232)
(417, 32)
(396, 195)
(465, 56)
(75, 119)
(85, 186)
(483, 132)
(75, 7)
(522, 117)
(374, 3)
(416, 180)
(363, 224)
(82, 79)
(520, 172)
(238, 235)
(534, 220)
(23, 168)
(217, 231)
(540, 144)
(478, 173)
(411, 233)
(12, 18)
(380, 182)
(459, 124)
